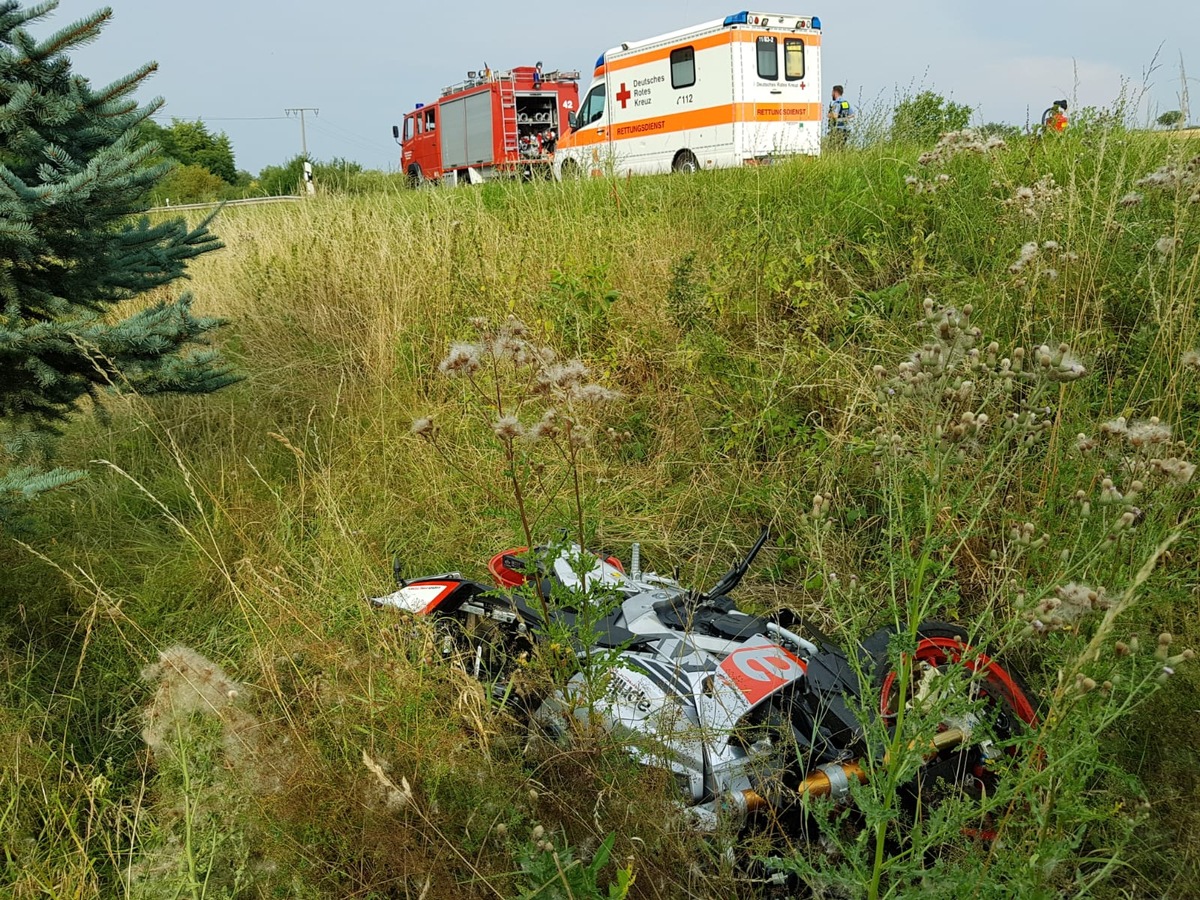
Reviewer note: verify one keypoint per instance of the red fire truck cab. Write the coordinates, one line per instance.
(493, 125)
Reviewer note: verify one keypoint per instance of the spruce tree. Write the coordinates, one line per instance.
(73, 248)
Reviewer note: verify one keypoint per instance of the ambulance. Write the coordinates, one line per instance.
(743, 90)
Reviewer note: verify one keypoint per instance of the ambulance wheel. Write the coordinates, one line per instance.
(415, 176)
(686, 162)
(570, 171)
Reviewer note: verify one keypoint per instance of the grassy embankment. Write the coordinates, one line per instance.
(740, 313)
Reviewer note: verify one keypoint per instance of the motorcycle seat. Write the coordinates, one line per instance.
(717, 618)
(608, 634)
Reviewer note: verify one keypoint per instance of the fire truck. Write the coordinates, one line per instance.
(493, 125)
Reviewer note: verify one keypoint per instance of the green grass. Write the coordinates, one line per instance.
(740, 313)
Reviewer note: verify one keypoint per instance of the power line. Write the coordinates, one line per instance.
(221, 118)
(300, 111)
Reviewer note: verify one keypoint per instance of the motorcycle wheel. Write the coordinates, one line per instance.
(1008, 710)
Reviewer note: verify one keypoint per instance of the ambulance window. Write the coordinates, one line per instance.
(593, 107)
(793, 59)
(430, 119)
(683, 67)
(768, 59)
(408, 128)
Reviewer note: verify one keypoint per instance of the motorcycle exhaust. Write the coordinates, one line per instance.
(833, 780)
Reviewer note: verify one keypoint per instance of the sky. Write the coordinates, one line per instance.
(364, 63)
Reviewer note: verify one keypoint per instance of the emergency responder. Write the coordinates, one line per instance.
(537, 76)
(1055, 118)
(840, 115)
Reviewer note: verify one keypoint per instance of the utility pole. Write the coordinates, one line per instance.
(300, 111)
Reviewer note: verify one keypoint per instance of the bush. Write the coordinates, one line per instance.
(924, 118)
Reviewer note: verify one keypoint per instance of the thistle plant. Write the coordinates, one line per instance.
(538, 411)
(1054, 573)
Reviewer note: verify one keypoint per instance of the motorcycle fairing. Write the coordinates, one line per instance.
(761, 667)
(424, 596)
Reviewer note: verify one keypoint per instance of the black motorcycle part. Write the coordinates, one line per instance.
(832, 693)
(715, 618)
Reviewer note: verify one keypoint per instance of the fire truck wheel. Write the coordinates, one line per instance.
(415, 176)
(571, 171)
(686, 162)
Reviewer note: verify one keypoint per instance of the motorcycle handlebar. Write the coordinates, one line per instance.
(735, 575)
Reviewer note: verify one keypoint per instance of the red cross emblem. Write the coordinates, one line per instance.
(623, 95)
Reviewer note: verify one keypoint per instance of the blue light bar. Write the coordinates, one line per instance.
(816, 22)
(600, 61)
(738, 18)
(419, 106)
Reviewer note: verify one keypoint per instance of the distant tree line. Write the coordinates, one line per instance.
(205, 170)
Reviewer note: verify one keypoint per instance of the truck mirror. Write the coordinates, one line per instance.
(396, 132)
(573, 120)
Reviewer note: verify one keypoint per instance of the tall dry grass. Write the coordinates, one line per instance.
(739, 312)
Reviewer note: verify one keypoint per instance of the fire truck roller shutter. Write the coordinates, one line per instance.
(467, 131)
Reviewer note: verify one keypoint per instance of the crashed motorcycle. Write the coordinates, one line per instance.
(754, 716)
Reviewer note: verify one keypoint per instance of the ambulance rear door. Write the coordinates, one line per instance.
(781, 84)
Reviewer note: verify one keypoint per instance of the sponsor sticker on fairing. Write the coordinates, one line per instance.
(417, 598)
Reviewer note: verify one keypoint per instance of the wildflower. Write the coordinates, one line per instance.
(423, 427)
(1028, 252)
(1166, 245)
(1077, 600)
(562, 377)
(508, 428)
(593, 393)
(1109, 492)
(1175, 470)
(1115, 428)
(1165, 177)
(463, 359)
(1024, 193)
(1151, 432)
(1131, 199)
(515, 327)
(545, 427)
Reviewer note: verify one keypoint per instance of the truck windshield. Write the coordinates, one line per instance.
(592, 109)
